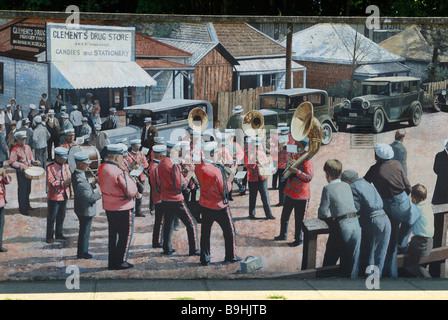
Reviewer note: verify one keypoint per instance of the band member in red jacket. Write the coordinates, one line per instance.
(118, 190)
(58, 182)
(159, 152)
(255, 158)
(4, 180)
(173, 203)
(297, 195)
(21, 158)
(215, 186)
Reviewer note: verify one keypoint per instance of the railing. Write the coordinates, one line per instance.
(312, 228)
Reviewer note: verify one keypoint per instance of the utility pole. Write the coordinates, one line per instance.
(289, 29)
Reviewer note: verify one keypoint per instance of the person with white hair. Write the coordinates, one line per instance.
(440, 168)
(389, 179)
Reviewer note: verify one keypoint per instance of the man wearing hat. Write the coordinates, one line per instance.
(69, 137)
(112, 121)
(45, 102)
(375, 225)
(10, 138)
(297, 194)
(76, 119)
(4, 151)
(54, 129)
(26, 127)
(159, 152)
(86, 130)
(135, 159)
(58, 183)
(33, 112)
(8, 118)
(40, 141)
(21, 158)
(389, 179)
(255, 158)
(118, 191)
(215, 187)
(149, 132)
(173, 203)
(440, 168)
(18, 115)
(236, 120)
(86, 197)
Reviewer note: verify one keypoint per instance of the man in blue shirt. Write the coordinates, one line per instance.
(375, 225)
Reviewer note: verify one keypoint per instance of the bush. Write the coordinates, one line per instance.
(342, 89)
(435, 73)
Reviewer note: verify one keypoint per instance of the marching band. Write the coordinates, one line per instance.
(190, 179)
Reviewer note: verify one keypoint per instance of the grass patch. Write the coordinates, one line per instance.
(277, 297)
(183, 298)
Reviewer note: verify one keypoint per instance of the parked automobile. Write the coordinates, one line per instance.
(279, 106)
(440, 100)
(170, 117)
(384, 100)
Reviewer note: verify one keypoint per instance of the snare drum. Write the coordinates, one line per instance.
(34, 173)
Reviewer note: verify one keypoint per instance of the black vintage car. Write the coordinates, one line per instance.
(384, 100)
(440, 100)
(279, 106)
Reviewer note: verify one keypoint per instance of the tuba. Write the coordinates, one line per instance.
(303, 125)
(253, 124)
(198, 119)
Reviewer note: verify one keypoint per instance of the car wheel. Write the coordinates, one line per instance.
(437, 103)
(416, 116)
(379, 121)
(327, 133)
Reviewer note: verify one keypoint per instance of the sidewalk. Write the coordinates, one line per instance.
(291, 289)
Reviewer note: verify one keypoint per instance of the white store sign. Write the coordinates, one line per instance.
(90, 43)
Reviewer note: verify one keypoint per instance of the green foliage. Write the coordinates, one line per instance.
(435, 73)
(342, 89)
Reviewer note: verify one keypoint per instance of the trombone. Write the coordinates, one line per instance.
(303, 125)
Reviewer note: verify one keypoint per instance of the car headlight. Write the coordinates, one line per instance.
(346, 104)
(365, 104)
(444, 92)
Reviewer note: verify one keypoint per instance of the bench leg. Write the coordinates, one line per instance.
(437, 269)
(309, 251)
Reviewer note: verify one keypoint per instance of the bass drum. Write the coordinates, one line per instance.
(94, 156)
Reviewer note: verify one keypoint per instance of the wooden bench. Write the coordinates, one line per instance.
(437, 259)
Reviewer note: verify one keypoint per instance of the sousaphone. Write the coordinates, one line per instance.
(253, 124)
(198, 120)
(304, 125)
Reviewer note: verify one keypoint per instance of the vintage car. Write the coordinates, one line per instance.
(170, 117)
(440, 100)
(384, 100)
(279, 106)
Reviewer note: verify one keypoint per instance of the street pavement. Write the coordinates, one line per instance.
(31, 260)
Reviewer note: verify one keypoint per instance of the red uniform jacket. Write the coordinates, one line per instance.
(3, 181)
(21, 157)
(117, 186)
(140, 160)
(212, 186)
(56, 174)
(154, 180)
(252, 164)
(298, 185)
(172, 180)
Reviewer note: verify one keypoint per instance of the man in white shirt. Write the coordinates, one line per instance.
(76, 119)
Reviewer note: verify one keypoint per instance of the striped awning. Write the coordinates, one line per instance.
(92, 75)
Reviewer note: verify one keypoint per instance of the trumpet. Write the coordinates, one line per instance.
(193, 178)
(136, 180)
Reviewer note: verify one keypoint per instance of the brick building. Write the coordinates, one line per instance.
(331, 52)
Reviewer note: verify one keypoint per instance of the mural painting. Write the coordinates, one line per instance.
(185, 150)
